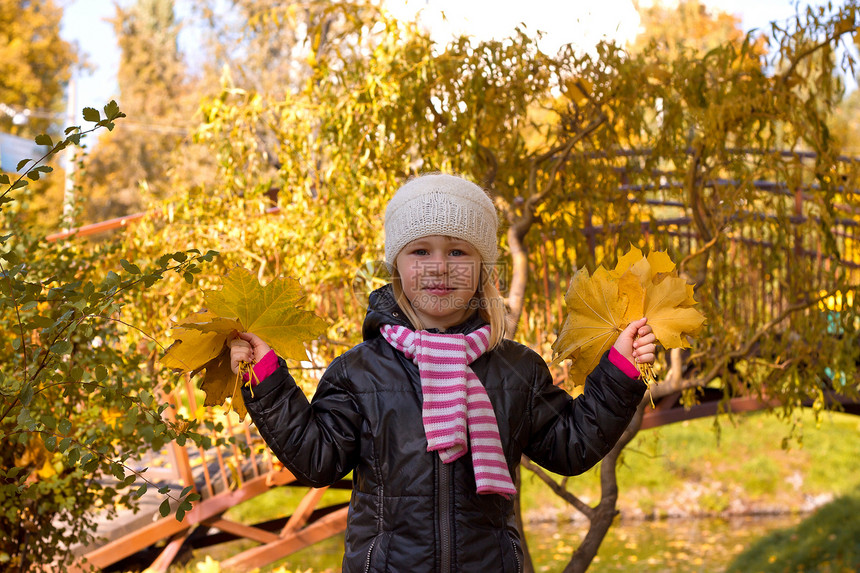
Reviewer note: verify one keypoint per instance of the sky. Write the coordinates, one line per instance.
(562, 21)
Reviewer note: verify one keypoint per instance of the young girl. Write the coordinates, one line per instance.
(433, 410)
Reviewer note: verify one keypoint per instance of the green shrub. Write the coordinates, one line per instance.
(826, 542)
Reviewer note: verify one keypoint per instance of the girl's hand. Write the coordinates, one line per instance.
(246, 347)
(637, 342)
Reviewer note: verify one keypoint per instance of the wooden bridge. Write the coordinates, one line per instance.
(224, 476)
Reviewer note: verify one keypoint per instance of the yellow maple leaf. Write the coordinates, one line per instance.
(220, 383)
(601, 306)
(595, 318)
(242, 305)
(199, 338)
(270, 312)
(668, 298)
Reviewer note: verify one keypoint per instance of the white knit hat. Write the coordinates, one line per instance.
(438, 204)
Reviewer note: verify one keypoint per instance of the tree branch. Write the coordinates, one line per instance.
(557, 488)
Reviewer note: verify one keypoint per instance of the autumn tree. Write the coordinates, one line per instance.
(35, 70)
(749, 162)
(843, 122)
(261, 44)
(156, 91)
(687, 23)
(35, 66)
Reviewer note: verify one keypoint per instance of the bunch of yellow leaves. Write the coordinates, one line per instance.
(242, 305)
(601, 306)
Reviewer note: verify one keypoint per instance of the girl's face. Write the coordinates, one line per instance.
(439, 276)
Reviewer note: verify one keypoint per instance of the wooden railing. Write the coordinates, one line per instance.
(225, 475)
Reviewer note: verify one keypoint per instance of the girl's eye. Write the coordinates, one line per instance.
(420, 252)
(457, 253)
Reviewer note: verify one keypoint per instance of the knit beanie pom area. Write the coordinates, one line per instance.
(440, 204)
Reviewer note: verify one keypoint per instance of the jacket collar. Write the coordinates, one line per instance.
(383, 309)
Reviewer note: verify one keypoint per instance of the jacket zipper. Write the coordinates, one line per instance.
(445, 515)
(517, 555)
(369, 553)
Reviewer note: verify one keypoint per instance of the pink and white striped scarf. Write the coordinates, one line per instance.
(455, 401)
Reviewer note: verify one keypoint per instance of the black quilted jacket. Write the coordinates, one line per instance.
(409, 512)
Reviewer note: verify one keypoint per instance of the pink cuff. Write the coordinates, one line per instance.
(618, 360)
(265, 366)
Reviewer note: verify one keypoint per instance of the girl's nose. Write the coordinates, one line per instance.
(437, 265)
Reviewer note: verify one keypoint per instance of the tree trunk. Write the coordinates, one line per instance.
(516, 297)
(528, 566)
(606, 510)
(519, 277)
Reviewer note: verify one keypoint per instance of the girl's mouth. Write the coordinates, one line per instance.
(438, 290)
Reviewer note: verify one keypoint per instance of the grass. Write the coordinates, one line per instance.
(693, 466)
(826, 542)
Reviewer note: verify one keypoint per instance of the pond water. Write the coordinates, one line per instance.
(705, 545)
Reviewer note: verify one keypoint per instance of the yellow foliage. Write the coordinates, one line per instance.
(837, 301)
(601, 306)
(36, 454)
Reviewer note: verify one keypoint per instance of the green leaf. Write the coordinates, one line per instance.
(18, 184)
(112, 110)
(61, 347)
(112, 279)
(129, 267)
(101, 373)
(26, 394)
(91, 114)
(140, 491)
(65, 426)
(164, 508)
(44, 139)
(22, 163)
(4, 179)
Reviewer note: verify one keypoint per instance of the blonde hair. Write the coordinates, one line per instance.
(488, 301)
